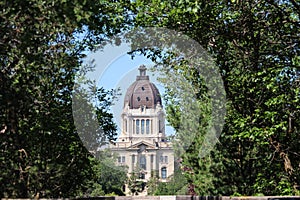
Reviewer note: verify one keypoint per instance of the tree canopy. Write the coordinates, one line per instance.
(255, 45)
(256, 48)
(42, 44)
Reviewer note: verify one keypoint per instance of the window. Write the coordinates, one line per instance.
(147, 126)
(159, 126)
(147, 98)
(125, 123)
(161, 159)
(121, 159)
(133, 158)
(152, 158)
(133, 126)
(142, 126)
(164, 173)
(143, 162)
(137, 126)
(139, 98)
(143, 88)
(166, 159)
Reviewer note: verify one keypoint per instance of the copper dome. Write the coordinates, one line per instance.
(142, 92)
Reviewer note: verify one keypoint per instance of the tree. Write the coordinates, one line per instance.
(135, 185)
(257, 52)
(153, 183)
(176, 185)
(42, 44)
(108, 179)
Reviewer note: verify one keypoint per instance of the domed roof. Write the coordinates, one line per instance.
(142, 92)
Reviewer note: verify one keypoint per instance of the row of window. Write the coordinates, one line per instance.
(121, 159)
(163, 159)
(143, 164)
(141, 129)
(143, 126)
(142, 161)
(163, 173)
(139, 98)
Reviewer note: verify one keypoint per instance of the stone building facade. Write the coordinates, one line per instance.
(142, 144)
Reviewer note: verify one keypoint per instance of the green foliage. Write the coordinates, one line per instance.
(112, 177)
(41, 47)
(153, 183)
(93, 120)
(176, 185)
(255, 46)
(135, 185)
(108, 178)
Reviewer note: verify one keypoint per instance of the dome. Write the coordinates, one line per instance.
(142, 92)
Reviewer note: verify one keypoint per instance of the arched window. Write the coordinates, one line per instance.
(137, 126)
(125, 124)
(159, 126)
(164, 173)
(147, 126)
(142, 126)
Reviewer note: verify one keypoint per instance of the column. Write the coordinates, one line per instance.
(151, 126)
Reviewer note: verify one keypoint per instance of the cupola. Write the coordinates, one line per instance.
(142, 93)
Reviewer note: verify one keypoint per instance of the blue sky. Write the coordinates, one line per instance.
(116, 69)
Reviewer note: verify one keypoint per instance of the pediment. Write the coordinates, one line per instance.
(142, 145)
